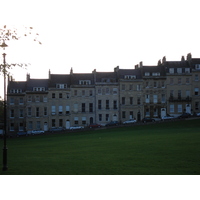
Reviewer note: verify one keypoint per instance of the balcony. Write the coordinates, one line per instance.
(180, 99)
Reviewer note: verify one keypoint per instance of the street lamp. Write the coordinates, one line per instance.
(5, 167)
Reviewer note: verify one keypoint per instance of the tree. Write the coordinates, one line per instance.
(7, 34)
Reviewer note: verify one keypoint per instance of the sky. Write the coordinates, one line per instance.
(87, 35)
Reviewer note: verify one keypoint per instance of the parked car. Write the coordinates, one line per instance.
(21, 133)
(112, 123)
(130, 121)
(148, 119)
(184, 115)
(56, 129)
(95, 125)
(1, 132)
(33, 132)
(168, 117)
(76, 127)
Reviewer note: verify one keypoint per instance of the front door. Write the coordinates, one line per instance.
(67, 124)
(45, 126)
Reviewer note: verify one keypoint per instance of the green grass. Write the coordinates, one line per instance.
(164, 148)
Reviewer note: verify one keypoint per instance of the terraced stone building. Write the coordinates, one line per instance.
(78, 99)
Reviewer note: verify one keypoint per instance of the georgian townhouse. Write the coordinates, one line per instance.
(179, 86)
(130, 93)
(154, 91)
(106, 97)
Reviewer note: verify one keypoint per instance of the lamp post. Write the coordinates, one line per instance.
(5, 167)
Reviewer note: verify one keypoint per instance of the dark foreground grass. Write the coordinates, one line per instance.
(166, 148)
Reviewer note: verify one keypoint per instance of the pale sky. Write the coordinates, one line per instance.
(89, 34)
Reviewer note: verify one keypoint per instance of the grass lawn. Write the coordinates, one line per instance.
(170, 148)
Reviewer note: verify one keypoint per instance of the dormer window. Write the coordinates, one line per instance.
(197, 66)
(187, 70)
(85, 82)
(147, 74)
(171, 70)
(179, 70)
(129, 77)
(156, 74)
(61, 86)
(38, 89)
(16, 91)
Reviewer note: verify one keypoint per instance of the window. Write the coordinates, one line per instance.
(21, 101)
(61, 86)
(75, 92)
(60, 95)
(84, 82)
(123, 114)
(100, 117)
(155, 98)
(37, 111)
(131, 100)
(147, 113)
(53, 95)
(123, 100)
(83, 92)
(60, 122)
(188, 93)
(155, 84)
(83, 107)
(196, 77)
(187, 70)
(179, 80)
(107, 91)
(107, 117)
(138, 100)
(75, 107)
(171, 81)
(12, 127)
(90, 107)
(155, 112)
(131, 115)
(179, 94)
(91, 93)
(179, 70)
(29, 112)
(12, 113)
(115, 90)
(129, 77)
(60, 110)
(29, 98)
(107, 104)
(67, 110)
(53, 122)
(147, 74)
(99, 104)
(196, 91)
(21, 113)
(147, 98)
(171, 70)
(30, 125)
(21, 126)
(197, 66)
(37, 99)
(38, 127)
(45, 111)
(138, 87)
(114, 104)
(171, 93)
(156, 74)
(123, 87)
(196, 105)
(38, 89)
(44, 98)
(12, 101)
(83, 120)
(147, 84)
(171, 108)
(163, 84)
(179, 108)
(76, 120)
(187, 80)
(53, 110)
(99, 91)
(163, 98)
(131, 87)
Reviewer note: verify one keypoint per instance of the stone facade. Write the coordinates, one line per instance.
(76, 99)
